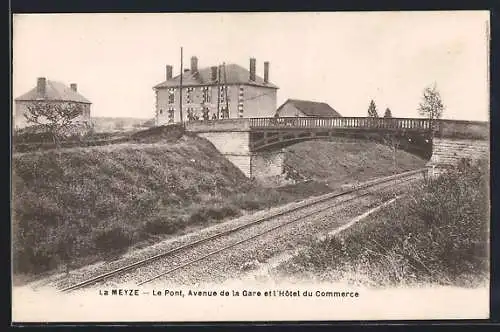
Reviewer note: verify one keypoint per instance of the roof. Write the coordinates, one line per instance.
(54, 91)
(235, 74)
(311, 108)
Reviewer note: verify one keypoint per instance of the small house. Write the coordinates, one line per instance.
(306, 108)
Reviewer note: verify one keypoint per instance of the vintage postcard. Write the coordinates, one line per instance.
(250, 166)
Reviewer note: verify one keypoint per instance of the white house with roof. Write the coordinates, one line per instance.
(50, 91)
(306, 108)
(225, 91)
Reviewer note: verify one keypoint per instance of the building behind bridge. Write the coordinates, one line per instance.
(205, 90)
(306, 108)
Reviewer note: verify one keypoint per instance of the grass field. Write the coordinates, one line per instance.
(437, 234)
(78, 205)
(347, 160)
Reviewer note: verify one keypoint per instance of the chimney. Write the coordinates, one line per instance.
(214, 73)
(40, 85)
(252, 69)
(73, 87)
(168, 72)
(266, 72)
(194, 64)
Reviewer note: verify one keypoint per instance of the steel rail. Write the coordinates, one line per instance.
(170, 252)
(191, 262)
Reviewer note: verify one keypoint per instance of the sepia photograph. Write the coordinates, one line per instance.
(286, 166)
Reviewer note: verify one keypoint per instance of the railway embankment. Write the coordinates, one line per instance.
(436, 234)
(78, 205)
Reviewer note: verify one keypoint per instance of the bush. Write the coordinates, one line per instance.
(115, 238)
(163, 225)
(205, 214)
(258, 198)
(438, 234)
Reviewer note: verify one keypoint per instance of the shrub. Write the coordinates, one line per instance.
(114, 238)
(205, 214)
(438, 234)
(163, 225)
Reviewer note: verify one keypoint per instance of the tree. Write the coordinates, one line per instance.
(56, 118)
(431, 105)
(388, 113)
(372, 110)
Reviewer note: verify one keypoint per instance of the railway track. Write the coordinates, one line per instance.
(255, 229)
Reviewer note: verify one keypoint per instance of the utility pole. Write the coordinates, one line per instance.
(180, 93)
(394, 160)
(225, 89)
(218, 92)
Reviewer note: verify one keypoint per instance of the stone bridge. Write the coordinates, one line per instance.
(255, 145)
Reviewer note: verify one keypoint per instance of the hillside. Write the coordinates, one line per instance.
(78, 205)
(346, 160)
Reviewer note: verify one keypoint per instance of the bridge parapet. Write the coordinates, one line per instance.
(218, 125)
(442, 128)
(361, 123)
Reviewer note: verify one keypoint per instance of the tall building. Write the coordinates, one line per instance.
(54, 92)
(223, 91)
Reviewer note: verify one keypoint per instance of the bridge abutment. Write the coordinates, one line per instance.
(449, 151)
(264, 167)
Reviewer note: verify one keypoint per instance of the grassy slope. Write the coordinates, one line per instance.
(80, 203)
(437, 234)
(121, 191)
(347, 160)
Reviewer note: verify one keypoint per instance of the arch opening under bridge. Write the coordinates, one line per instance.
(416, 143)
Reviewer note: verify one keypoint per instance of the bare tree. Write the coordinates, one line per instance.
(431, 105)
(55, 117)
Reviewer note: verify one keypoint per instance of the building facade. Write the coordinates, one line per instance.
(54, 92)
(216, 92)
(306, 108)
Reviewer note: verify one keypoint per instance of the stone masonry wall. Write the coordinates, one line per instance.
(242, 162)
(234, 143)
(449, 151)
(267, 164)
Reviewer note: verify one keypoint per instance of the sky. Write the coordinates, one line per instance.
(343, 59)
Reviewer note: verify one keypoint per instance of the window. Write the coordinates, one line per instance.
(240, 102)
(189, 95)
(161, 112)
(207, 91)
(170, 115)
(171, 95)
(192, 114)
(222, 93)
